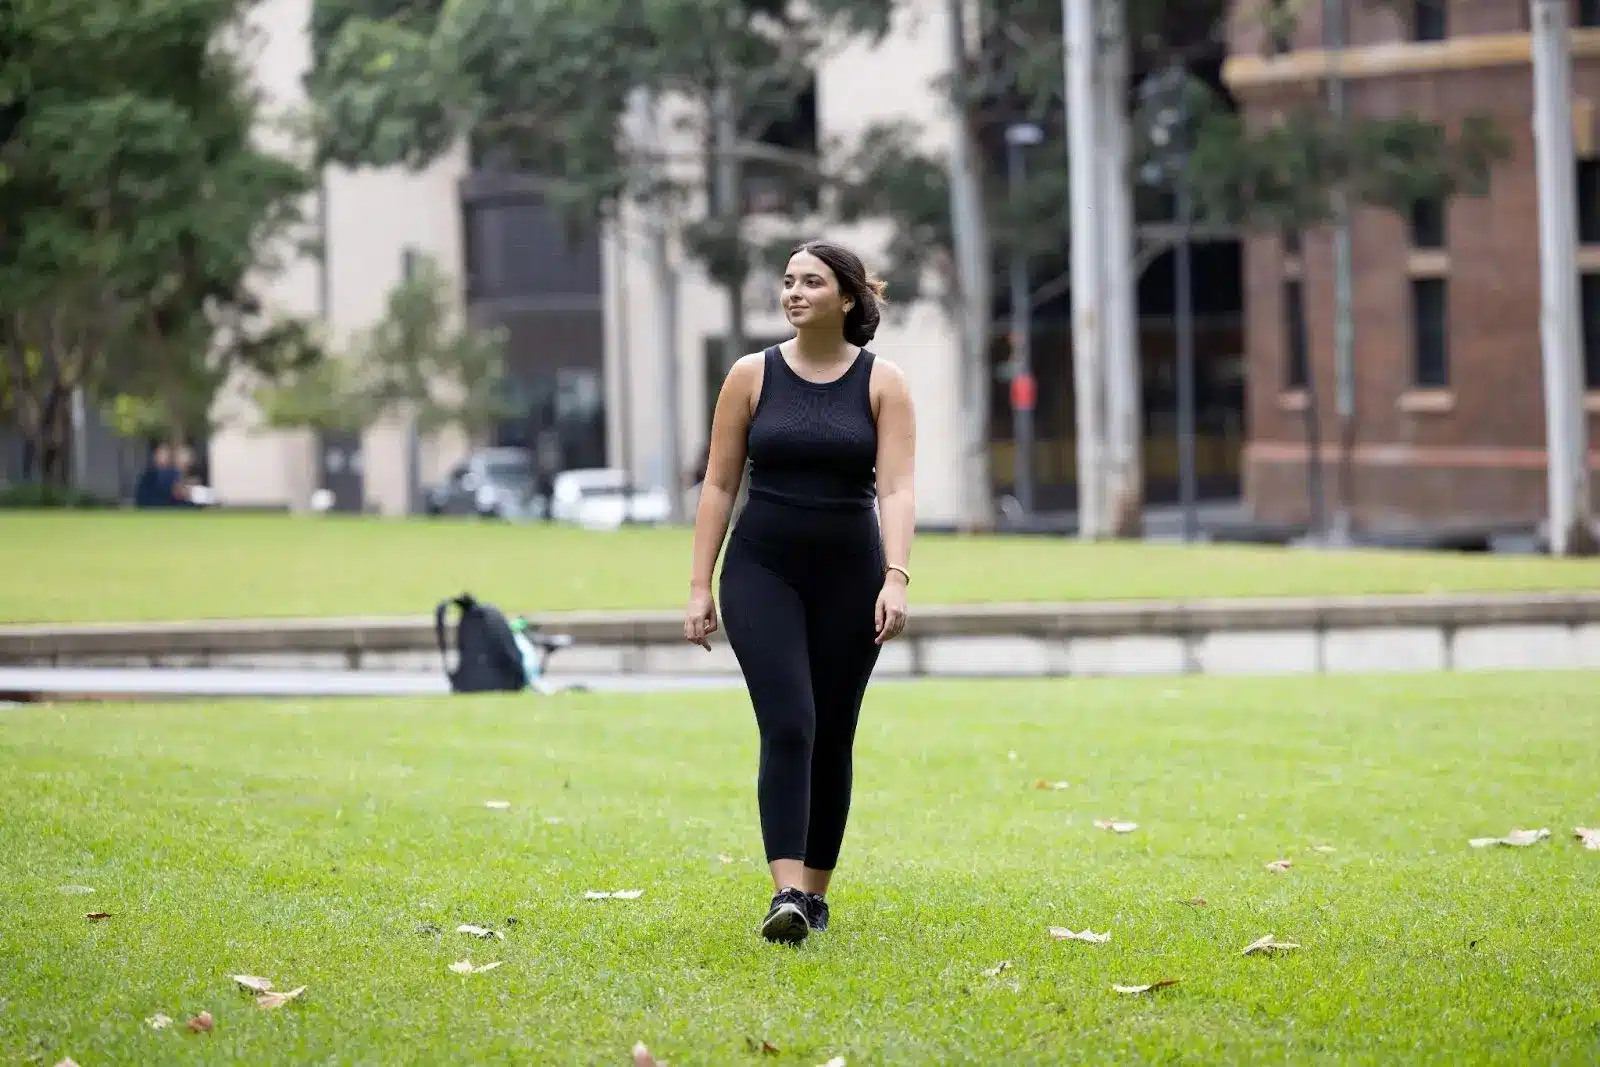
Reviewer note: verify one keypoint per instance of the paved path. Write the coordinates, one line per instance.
(209, 682)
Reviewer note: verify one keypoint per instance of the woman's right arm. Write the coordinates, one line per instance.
(730, 425)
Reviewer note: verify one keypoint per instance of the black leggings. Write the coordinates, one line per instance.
(798, 591)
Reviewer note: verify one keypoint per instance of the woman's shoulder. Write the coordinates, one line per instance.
(745, 376)
(886, 373)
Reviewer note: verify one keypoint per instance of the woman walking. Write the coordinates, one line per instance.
(812, 585)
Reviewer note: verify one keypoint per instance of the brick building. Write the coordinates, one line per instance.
(1449, 402)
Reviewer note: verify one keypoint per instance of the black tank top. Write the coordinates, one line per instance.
(814, 444)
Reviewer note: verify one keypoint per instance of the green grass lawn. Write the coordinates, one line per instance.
(130, 566)
(339, 845)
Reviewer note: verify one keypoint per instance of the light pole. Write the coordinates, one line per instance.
(1024, 390)
(1168, 94)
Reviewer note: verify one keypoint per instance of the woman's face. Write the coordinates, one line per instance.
(811, 297)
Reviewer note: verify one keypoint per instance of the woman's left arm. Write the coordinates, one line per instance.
(897, 503)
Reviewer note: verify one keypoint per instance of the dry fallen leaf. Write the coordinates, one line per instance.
(77, 889)
(724, 857)
(1162, 984)
(1268, 944)
(1194, 902)
(1279, 866)
(1116, 826)
(554, 819)
(620, 894)
(466, 967)
(497, 805)
(766, 1047)
(1516, 838)
(158, 1021)
(1590, 838)
(252, 983)
(201, 1024)
(998, 969)
(1323, 848)
(68, 1062)
(479, 931)
(642, 1057)
(268, 1001)
(1042, 784)
(96, 916)
(1061, 933)
(837, 1061)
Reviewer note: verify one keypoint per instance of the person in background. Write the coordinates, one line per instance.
(157, 485)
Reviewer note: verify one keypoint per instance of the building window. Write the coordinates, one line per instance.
(1589, 12)
(1297, 367)
(1430, 339)
(1291, 242)
(1427, 224)
(1590, 300)
(1589, 201)
(1428, 22)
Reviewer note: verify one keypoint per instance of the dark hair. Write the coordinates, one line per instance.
(861, 321)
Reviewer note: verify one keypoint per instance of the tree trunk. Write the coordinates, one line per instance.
(728, 201)
(972, 255)
(1124, 430)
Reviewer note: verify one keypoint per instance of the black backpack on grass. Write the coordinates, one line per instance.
(487, 657)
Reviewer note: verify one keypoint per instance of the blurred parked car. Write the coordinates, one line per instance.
(601, 497)
(492, 483)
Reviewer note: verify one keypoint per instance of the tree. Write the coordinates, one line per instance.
(414, 361)
(667, 106)
(134, 208)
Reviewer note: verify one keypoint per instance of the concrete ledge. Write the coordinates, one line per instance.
(1284, 635)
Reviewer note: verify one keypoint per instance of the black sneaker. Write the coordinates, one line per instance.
(816, 912)
(788, 920)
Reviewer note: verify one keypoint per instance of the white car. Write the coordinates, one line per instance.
(600, 498)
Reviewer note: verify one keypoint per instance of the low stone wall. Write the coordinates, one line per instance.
(1287, 635)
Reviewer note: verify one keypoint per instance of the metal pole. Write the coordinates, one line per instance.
(1088, 354)
(1188, 489)
(1570, 517)
(408, 271)
(1024, 390)
(624, 362)
(1333, 28)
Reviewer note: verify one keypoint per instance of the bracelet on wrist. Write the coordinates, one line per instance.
(902, 571)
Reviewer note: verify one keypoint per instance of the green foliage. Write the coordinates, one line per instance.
(414, 360)
(137, 204)
(546, 88)
(1284, 175)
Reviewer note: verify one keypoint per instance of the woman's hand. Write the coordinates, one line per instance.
(890, 616)
(700, 618)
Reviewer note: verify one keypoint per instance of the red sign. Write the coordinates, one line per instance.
(1024, 392)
